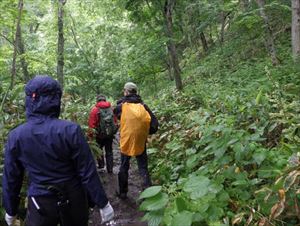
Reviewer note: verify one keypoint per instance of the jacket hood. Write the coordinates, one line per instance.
(131, 98)
(103, 104)
(43, 98)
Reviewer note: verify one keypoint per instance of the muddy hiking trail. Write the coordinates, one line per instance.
(126, 211)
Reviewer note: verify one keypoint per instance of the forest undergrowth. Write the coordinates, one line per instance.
(227, 149)
(227, 152)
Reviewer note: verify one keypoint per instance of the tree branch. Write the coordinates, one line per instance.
(7, 39)
(79, 46)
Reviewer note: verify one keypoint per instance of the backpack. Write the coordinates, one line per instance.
(134, 128)
(106, 127)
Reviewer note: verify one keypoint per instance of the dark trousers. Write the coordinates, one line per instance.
(74, 214)
(142, 161)
(107, 144)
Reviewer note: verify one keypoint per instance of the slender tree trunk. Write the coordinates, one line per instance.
(91, 66)
(169, 66)
(244, 4)
(270, 37)
(204, 42)
(222, 20)
(24, 64)
(34, 27)
(296, 29)
(169, 4)
(224, 16)
(155, 84)
(60, 42)
(17, 36)
(89, 61)
(20, 45)
(13, 68)
(211, 39)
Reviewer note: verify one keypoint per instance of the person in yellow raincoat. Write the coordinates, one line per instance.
(137, 121)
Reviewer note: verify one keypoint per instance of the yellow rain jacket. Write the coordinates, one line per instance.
(134, 128)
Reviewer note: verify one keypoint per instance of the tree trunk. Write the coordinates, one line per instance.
(13, 68)
(211, 41)
(60, 42)
(270, 37)
(91, 66)
(204, 42)
(24, 64)
(169, 4)
(20, 45)
(296, 29)
(34, 27)
(222, 21)
(169, 66)
(17, 37)
(244, 4)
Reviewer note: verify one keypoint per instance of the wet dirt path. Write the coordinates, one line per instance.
(126, 211)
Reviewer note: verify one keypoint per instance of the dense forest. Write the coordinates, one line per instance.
(223, 77)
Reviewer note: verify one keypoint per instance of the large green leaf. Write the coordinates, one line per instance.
(180, 204)
(154, 218)
(259, 157)
(183, 219)
(215, 188)
(149, 192)
(156, 202)
(197, 186)
(192, 161)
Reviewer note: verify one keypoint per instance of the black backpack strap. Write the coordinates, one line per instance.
(118, 110)
(154, 122)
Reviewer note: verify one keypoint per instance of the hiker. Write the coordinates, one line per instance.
(102, 127)
(58, 161)
(136, 123)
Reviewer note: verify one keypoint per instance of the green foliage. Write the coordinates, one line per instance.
(226, 139)
(154, 201)
(150, 192)
(221, 155)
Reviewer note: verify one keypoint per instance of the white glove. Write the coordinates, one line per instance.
(10, 220)
(107, 213)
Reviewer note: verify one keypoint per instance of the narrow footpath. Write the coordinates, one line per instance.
(126, 211)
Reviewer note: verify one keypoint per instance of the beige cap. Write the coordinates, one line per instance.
(130, 86)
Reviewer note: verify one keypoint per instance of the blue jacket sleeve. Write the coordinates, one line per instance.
(12, 177)
(86, 169)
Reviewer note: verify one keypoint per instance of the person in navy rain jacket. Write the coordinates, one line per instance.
(60, 167)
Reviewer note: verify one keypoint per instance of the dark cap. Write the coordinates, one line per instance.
(101, 97)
